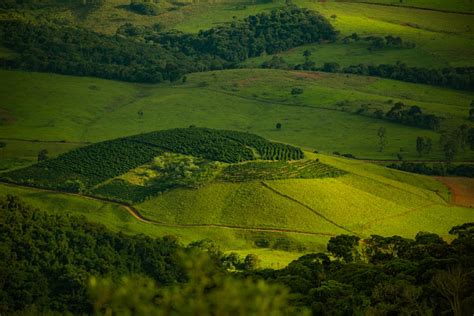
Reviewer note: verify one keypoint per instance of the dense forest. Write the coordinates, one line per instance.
(264, 33)
(131, 55)
(75, 51)
(63, 263)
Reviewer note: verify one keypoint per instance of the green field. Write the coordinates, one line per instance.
(369, 199)
(77, 109)
(451, 5)
(442, 39)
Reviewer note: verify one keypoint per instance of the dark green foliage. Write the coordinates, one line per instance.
(275, 63)
(331, 67)
(79, 52)
(456, 78)
(48, 259)
(436, 169)
(296, 91)
(252, 171)
(91, 165)
(390, 275)
(145, 8)
(120, 190)
(413, 116)
(379, 42)
(343, 247)
(99, 162)
(268, 33)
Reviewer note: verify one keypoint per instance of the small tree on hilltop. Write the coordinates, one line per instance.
(382, 141)
(43, 155)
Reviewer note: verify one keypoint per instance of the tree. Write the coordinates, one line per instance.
(450, 284)
(382, 142)
(43, 155)
(296, 91)
(450, 150)
(423, 145)
(331, 67)
(278, 125)
(343, 246)
(251, 262)
(307, 53)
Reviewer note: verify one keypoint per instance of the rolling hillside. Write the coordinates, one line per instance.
(72, 111)
(283, 205)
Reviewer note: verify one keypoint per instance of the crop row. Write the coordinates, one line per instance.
(89, 166)
(250, 171)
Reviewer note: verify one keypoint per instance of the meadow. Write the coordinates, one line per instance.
(82, 109)
(372, 195)
(442, 39)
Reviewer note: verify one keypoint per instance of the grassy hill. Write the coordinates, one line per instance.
(442, 39)
(71, 110)
(278, 219)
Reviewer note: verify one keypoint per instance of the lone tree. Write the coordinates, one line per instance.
(307, 54)
(278, 125)
(423, 145)
(296, 91)
(382, 140)
(43, 155)
(251, 262)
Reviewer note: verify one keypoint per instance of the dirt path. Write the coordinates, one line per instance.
(462, 190)
(44, 141)
(139, 217)
(367, 225)
(306, 207)
(411, 7)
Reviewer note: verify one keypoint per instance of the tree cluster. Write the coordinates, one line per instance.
(379, 42)
(436, 169)
(80, 52)
(412, 116)
(47, 260)
(384, 275)
(454, 77)
(268, 33)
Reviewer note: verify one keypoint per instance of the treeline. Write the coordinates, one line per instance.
(145, 54)
(454, 77)
(436, 169)
(79, 52)
(384, 275)
(85, 167)
(461, 78)
(35, 4)
(379, 42)
(47, 260)
(264, 33)
(65, 264)
(413, 115)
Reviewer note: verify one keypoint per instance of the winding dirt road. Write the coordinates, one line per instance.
(139, 217)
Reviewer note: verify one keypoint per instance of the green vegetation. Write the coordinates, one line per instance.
(442, 39)
(251, 171)
(88, 166)
(64, 264)
(91, 110)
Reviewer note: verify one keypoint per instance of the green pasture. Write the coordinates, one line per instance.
(50, 107)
